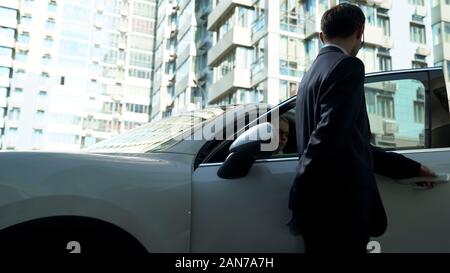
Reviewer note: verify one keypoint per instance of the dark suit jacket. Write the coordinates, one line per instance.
(335, 175)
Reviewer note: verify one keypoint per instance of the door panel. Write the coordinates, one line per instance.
(248, 214)
(418, 220)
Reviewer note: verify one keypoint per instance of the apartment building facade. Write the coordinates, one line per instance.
(440, 11)
(79, 71)
(261, 49)
(180, 71)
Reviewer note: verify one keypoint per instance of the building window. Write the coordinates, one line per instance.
(386, 106)
(138, 73)
(26, 19)
(417, 2)
(384, 23)
(136, 108)
(4, 72)
(226, 26)
(50, 24)
(24, 37)
(14, 114)
(22, 55)
(290, 56)
(46, 59)
(447, 32)
(48, 41)
(368, 56)
(448, 70)
(437, 34)
(417, 33)
(7, 33)
(385, 62)
(419, 112)
(309, 6)
(245, 17)
(289, 16)
(51, 6)
(8, 13)
(6, 52)
(370, 13)
(311, 48)
(225, 67)
(258, 64)
(142, 26)
(287, 89)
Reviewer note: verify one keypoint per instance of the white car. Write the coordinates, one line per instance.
(148, 190)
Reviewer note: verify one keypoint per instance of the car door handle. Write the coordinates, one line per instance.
(439, 179)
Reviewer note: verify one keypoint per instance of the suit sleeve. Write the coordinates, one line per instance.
(394, 165)
(338, 106)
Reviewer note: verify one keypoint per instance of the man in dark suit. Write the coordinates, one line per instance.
(334, 199)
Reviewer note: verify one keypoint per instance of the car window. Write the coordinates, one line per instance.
(287, 116)
(158, 135)
(287, 141)
(440, 117)
(396, 111)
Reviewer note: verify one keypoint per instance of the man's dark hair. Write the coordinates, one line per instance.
(342, 21)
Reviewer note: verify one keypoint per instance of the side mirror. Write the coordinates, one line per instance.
(244, 150)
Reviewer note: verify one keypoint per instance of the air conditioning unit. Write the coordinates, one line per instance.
(173, 9)
(421, 50)
(173, 32)
(390, 127)
(172, 56)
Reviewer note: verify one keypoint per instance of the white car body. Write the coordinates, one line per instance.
(168, 203)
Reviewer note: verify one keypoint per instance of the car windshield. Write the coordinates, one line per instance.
(158, 135)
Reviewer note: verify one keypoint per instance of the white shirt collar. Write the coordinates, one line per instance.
(335, 45)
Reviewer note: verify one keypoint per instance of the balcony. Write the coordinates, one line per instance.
(222, 10)
(238, 78)
(236, 36)
(386, 4)
(374, 35)
(258, 27)
(440, 13)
